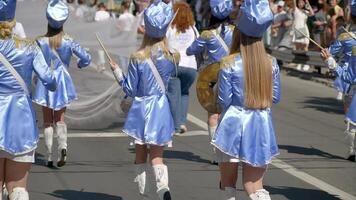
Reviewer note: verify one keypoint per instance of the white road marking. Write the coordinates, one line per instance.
(276, 162)
(293, 171)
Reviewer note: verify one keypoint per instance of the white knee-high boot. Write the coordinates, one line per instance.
(261, 194)
(161, 174)
(228, 194)
(211, 131)
(19, 193)
(61, 129)
(48, 135)
(4, 194)
(141, 178)
(350, 135)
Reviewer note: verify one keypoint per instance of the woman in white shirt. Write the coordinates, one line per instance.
(101, 14)
(301, 13)
(180, 36)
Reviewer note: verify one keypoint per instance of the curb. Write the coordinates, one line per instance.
(311, 76)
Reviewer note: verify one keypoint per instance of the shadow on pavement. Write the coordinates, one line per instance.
(309, 151)
(294, 193)
(184, 155)
(328, 105)
(75, 195)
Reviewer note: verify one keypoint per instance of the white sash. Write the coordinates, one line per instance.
(222, 42)
(13, 71)
(156, 75)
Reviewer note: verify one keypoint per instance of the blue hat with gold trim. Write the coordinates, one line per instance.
(57, 13)
(221, 8)
(353, 7)
(7, 10)
(157, 17)
(254, 18)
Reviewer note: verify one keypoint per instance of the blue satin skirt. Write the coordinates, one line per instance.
(150, 120)
(247, 135)
(64, 94)
(18, 128)
(341, 85)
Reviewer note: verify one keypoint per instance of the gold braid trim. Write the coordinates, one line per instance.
(228, 61)
(6, 29)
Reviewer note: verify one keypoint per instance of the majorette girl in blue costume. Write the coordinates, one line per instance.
(19, 58)
(58, 49)
(249, 83)
(347, 76)
(149, 120)
(217, 41)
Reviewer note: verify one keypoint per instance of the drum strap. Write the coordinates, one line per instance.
(156, 75)
(14, 73)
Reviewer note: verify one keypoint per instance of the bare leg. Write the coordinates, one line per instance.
(253, 180)
(161, 172)
(2, 175)
(16, 175)
(141, 154)
(228, 174)
(213, 119)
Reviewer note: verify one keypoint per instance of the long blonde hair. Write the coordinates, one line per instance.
(6, 29)
(55, 37)
(257, 71)
(148, 42)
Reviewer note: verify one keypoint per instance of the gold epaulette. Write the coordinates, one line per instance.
(346, 36)
(207, 34)
(23, 41)
(67, 37)
(232, 27)
(138, 56)
(354, 51)
(227, 61)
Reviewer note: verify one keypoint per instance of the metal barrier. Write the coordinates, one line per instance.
(300, 57)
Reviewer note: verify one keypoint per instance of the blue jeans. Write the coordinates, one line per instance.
(178, 94)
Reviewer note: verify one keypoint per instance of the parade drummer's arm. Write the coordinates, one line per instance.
(348, 74)
(43, 71)
(335, 48)
(82, 54)
(225, 87)
(276, 82)
(196, 47)
(130, 82)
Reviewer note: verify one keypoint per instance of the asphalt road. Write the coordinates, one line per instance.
(309, 125)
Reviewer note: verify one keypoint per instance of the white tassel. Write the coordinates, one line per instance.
(19, 193)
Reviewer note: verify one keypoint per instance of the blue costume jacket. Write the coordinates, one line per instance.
(149, 120)
(65, 92)
(348, 75)
(18, 128)
(246, 134)
(208, 40)
(343, 45)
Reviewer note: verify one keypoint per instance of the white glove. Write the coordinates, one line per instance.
(118, 74)
(331, 63)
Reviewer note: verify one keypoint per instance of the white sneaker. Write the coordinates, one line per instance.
(183, 129)
(339, 96)
(306, 68)
(261, 194)
(299, 67)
